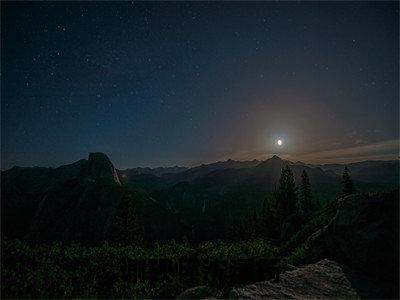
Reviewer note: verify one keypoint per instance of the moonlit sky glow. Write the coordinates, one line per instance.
(165, 83)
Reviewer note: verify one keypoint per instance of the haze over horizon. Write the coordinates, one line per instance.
(164, 84)
(261, 159)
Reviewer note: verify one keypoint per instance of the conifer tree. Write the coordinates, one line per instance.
(348, 186)
(305, 194)
(236, 231)
(254, 225)
(250, 225)
(264, 218)
(267, 221)
(126, 229)
(286, 195)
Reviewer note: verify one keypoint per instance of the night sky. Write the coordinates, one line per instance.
(164, 83)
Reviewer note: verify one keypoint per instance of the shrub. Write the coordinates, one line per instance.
(74, 271)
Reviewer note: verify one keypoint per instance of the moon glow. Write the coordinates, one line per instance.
(279, 142)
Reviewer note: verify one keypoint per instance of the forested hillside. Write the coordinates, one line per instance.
(91, 218)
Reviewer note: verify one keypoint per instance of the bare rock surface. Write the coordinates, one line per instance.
(322, 280)
(199, 292)
(364, 237)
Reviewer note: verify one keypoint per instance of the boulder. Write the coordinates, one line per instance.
(321, 280)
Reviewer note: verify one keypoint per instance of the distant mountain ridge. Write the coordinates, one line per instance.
(229, 171)
(98, 165)
(56, 203)
(177, 173)
(239, 188)
(204, 169)
(158, 171)
(370, 170)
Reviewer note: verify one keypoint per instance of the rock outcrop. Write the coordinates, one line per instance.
(75, 202)
(355, 255)
(364, 236)
(322, 280)
(100, 166)
(200, 292)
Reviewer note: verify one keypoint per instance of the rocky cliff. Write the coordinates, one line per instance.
(100, 166)
(364, 236)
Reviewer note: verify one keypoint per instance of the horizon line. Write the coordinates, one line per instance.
(270, 156)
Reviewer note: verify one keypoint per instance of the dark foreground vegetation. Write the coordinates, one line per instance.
(73, 271)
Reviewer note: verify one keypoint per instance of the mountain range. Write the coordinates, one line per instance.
(79, 201)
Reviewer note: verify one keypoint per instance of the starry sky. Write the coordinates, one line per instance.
(182, 83)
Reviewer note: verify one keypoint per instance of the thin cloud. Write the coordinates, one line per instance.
(381, 150)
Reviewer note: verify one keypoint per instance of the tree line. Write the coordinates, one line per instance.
(289, 208)
(280, 217)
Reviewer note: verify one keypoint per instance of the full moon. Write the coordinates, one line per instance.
(279, 142)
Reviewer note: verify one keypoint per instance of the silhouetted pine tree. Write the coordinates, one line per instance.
(126, 229)
(264, 218)
(348, 186)
(250, 225)
(267, 221)
(286, 195)
(236, 230)
(254, 231)
(305, 194)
